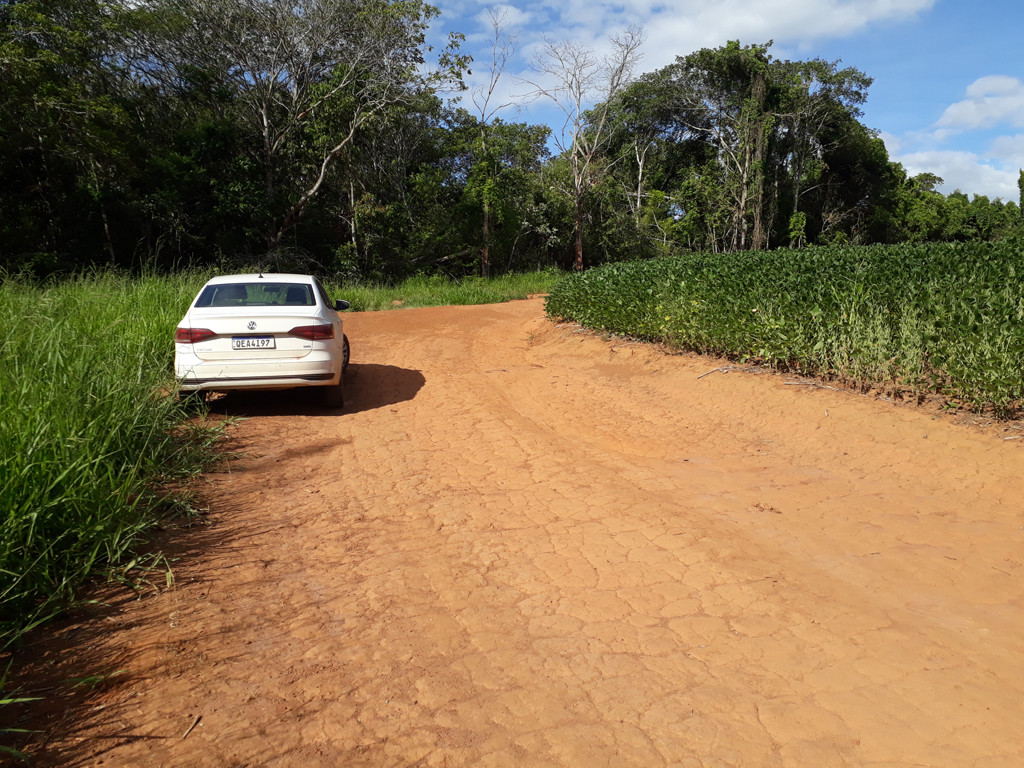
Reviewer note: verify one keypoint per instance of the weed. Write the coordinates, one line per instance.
(89, 445)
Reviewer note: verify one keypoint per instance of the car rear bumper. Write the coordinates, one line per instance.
(265, 374)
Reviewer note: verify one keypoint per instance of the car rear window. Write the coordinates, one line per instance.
(256, 295)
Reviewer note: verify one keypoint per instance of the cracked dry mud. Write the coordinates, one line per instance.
(525, 546)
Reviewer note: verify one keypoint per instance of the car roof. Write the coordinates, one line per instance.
(270, 277)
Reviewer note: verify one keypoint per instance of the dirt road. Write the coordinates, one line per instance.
(521, 545)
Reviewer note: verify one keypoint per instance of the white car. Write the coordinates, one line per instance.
(262, 331)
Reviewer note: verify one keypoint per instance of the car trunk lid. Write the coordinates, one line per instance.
(263, 334)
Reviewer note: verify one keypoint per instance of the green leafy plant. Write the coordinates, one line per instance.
(929, 318)
(438, 291)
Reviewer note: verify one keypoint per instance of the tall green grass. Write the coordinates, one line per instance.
(930, 318)
(88, 436)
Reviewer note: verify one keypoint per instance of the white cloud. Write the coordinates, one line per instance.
(893, 144)
(964, 171)
(1009, 150)
(992, 100)
(510, 16)
(678, 27)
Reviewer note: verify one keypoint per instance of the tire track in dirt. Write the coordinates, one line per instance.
(523, 545)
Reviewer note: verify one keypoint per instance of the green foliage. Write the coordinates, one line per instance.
(742, 142)
(88, 433)
(939, 318)
(922, 214)
(313, 134)
(797, 229)
(437, 291)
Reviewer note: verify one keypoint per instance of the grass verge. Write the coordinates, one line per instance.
(89, 441)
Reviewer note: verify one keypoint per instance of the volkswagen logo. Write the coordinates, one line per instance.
(252, 325)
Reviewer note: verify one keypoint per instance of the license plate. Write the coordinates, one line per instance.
(252, 342)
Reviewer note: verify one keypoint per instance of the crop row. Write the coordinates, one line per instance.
(930, 318)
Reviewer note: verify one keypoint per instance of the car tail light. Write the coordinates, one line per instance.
(193, 335)
(313, 332)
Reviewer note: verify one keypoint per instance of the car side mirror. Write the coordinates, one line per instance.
(341, 305)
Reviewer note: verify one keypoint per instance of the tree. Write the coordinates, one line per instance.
(574, 77)
(455, 191)
(743, 141)
(816, 122)
(62, 143)
(307, 75)
(721, 97)
(921, 208)
(502, 49)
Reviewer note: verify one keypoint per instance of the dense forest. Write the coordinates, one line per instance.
(326, 135)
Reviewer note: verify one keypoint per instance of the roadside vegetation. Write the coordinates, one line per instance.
(93, 450)
(946, 319)
(322, 136)
(437, 291)
(90, 443)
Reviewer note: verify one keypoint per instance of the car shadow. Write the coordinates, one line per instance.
(367, 386)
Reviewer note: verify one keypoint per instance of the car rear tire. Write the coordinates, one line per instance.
(344, 353)
(334, 395)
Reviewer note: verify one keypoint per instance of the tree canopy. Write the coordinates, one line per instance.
(327, 135)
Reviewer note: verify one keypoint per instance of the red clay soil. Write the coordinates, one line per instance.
(523, 545)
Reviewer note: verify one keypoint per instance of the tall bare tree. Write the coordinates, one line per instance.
(503, 46)
(573, 78)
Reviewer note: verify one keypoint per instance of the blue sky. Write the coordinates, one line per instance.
(948, 92)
